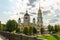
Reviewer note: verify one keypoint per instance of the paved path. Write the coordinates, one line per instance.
(2, 38)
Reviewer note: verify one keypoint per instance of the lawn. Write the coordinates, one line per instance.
(57, 37)
(50, 37)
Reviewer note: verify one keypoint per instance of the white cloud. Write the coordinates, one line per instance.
(7, 12)
(21, 6)
(11, 0)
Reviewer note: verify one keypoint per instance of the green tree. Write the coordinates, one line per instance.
(30, 30)
(57, 28)
(25, 30)
(11, 25)
(18, 30)
(42, 30)
(0, 25)
(3, 26)
(34, 30)
(50, 28)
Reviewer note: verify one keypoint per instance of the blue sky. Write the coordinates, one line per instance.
(13, 9)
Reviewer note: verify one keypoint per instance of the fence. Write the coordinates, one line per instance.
(11, 36)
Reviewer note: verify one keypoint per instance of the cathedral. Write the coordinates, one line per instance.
(26, 21)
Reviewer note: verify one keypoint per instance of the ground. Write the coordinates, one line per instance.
(2, 38)
(50, 37)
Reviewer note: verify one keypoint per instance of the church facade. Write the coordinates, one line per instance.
(26, 21)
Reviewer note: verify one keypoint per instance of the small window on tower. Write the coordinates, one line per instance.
(38, 20)
(25, 17)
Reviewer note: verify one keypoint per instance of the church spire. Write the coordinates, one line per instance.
(39, 18)
(26, 11)
(39, 6)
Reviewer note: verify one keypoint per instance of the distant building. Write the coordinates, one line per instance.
(26, 20)
(39, 20)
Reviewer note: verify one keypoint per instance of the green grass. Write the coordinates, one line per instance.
(57, 37)
(49, 37)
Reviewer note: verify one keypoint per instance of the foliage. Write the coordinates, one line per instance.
(2, 27)
(50, 28)
(14, 32)
(41, 30)
(47, 37)
(34, 30)
(30, 30)
(18, 30)
(57, 28)
(25, 30)
(11, 25)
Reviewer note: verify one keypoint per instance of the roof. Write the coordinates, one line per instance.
(33, 18)
(26, 14)
(19, 18)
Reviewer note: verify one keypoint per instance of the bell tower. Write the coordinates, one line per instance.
(39, 19)
(26, 18)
